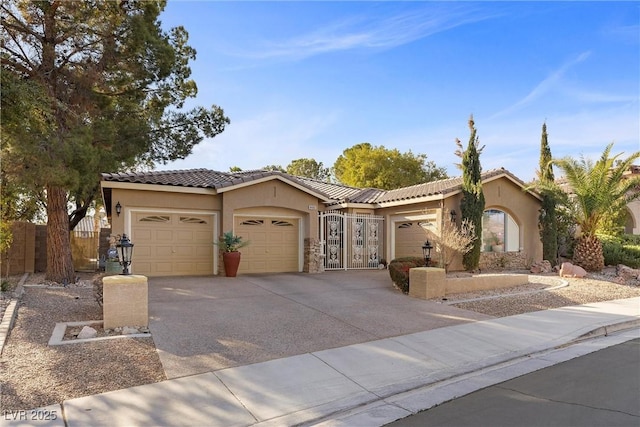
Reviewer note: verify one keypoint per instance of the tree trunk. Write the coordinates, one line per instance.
(59, 261)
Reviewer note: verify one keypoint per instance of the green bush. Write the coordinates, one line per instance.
(621, 250)
(399, 271)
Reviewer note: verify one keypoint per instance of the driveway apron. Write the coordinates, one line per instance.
(202, 324)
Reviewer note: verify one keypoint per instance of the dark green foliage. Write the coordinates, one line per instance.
(621, 250)
(472, 204)
(547, 220)
(399, 271)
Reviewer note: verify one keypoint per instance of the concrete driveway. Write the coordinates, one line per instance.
(202, 324)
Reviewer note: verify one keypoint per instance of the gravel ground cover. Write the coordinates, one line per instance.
(32, 374)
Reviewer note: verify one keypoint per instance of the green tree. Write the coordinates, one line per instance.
(597, 190)
(106, 89)
(276, 168)
(472, 203)
(364, 165)
(309, 168)
(548, 222)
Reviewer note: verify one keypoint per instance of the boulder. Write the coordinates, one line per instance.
(569, 270)
(87, 332)
(541, 267)
(628, 275)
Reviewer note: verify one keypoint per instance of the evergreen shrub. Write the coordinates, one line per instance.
(399, 271)
(621, 250)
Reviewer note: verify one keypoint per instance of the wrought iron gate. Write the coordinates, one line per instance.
(351, 241)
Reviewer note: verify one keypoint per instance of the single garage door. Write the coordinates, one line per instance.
(172, 244)
(409, 238)
(274, 244)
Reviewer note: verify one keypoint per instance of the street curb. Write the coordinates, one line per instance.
(10, 314)
(388, 409)
(607, 330)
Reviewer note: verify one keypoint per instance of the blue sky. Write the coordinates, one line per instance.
(310, 79)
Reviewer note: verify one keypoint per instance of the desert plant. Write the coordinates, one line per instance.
(472, 203)
(454, 240)
(97, 288)
(399, 271)
(597, 190)
(617, 250)
(229, 242)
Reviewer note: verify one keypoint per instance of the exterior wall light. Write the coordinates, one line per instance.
(118, 208)
(125, 249)
(426, 252)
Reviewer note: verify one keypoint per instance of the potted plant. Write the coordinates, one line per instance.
(229, 243)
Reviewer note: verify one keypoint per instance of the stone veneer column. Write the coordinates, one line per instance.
(125, 301)
(313, 258)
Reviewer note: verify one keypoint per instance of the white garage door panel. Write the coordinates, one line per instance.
(274, 244)
(171, 244)
(409, 238)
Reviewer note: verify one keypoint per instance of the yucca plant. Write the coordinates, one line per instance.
(597, 189)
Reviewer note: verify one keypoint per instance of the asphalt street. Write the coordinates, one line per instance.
(599, 389)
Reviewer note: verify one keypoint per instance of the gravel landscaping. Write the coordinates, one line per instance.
(34, 374)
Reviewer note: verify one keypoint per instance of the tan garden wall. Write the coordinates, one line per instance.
(430, 282)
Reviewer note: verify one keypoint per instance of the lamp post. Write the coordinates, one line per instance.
(426, 252)
(125, 249)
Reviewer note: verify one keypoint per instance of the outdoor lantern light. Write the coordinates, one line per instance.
(426, 251)
(453, 215)
(118, 208)
(125, 249)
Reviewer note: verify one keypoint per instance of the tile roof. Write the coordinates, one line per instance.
(337, 193)
(202, 178)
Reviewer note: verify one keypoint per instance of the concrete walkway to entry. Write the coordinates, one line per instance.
(202, 324)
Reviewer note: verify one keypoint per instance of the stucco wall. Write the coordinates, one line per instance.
(267, 197)
(158, 199)
(523, 207)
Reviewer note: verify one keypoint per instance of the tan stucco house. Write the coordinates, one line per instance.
(298, 224)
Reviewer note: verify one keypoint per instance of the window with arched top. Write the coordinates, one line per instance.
(500, 232)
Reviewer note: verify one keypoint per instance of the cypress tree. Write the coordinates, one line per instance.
(472, 204)
(548, 222)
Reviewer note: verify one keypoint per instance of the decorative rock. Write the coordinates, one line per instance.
(569, 270)
(541, 267)
(127, 330)
(87, 332)
(628, 275)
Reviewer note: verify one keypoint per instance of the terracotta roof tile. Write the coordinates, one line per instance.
(205, 178)
(202, 178)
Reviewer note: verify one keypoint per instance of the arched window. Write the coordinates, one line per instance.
(500, 233)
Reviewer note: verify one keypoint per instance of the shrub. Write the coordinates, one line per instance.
(621, 250)
(399, 271)
(97, 288)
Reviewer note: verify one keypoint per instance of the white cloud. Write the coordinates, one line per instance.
(544, 86)
(369, 32)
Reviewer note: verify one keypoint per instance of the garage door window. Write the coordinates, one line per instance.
(192, 220)
(155, 218)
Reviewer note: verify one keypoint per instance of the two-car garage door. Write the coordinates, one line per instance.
(274, 243)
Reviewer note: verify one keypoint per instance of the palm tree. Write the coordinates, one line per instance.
(597, 190)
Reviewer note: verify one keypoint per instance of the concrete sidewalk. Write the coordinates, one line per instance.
(369, 384)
